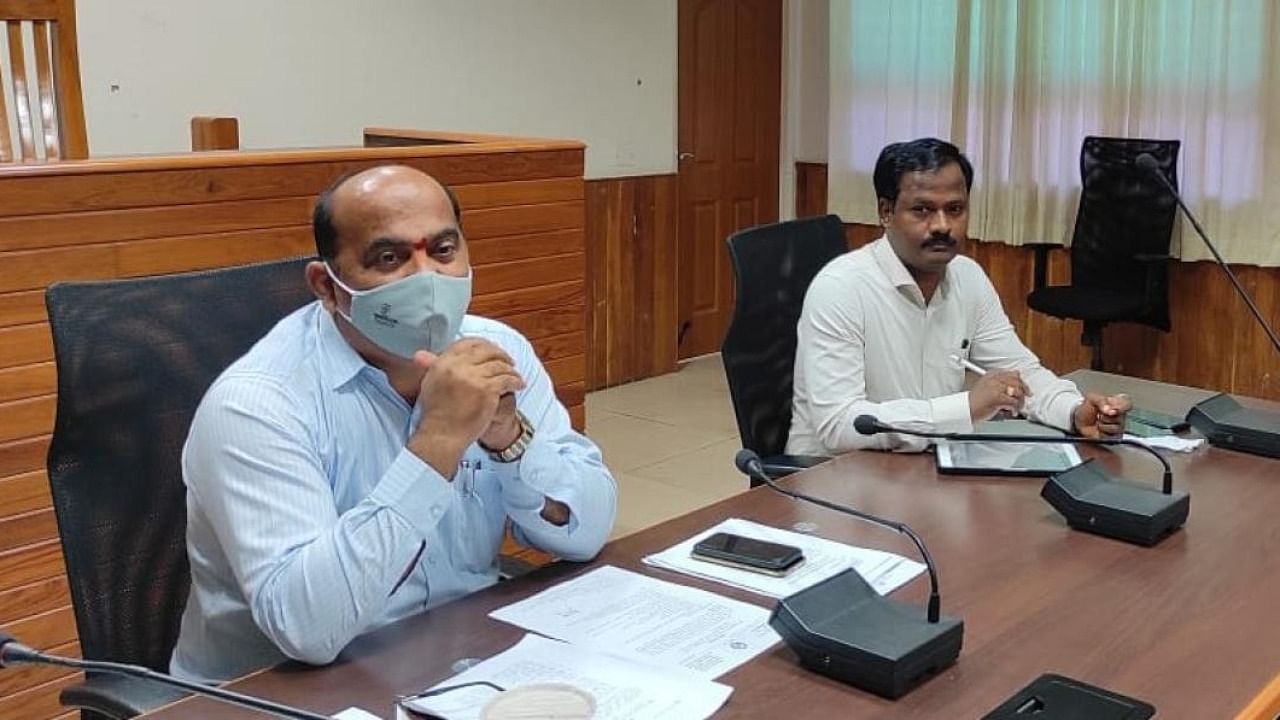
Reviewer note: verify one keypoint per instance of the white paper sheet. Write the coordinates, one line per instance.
(647, 620)
(622, 690)
(1168, 442)
(822, 558)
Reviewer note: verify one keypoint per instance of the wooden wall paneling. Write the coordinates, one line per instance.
(497, 249)
(1256, 366)
(112, 225)
(633, 324)
(97, 219)
(40, 701)
(201, 178)
(23, 456)
(34, 598)
(500, 277)
(23, 494)
(26, 528)
(14, 680)
(811, 189)
(32, 563)
(26, 417)
(27, 381)
(21, 308)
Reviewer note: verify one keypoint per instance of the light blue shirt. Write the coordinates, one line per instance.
(310, 523)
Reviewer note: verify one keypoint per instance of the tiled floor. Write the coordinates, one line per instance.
(669, 441)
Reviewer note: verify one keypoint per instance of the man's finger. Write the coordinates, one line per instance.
(424, 359)
(505, 383)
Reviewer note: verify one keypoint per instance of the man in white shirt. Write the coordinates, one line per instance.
(360, 462)
(881, 324)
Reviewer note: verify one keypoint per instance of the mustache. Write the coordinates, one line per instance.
(943, 240)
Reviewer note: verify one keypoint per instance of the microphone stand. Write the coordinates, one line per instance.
(844, 629)
(12, 652)
(1091, 500)
(1222, 419)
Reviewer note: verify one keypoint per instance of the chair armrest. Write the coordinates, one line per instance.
(1041, 267)
(118, 697)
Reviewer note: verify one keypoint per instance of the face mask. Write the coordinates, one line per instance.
(420, 312)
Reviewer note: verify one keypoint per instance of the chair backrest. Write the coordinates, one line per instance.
(1125, 212)
(773, 266)
(134, 358)
(56, 131)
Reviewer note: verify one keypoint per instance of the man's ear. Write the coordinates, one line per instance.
(321, 285)
(884, 208)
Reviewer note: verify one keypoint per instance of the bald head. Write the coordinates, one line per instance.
(355, 199)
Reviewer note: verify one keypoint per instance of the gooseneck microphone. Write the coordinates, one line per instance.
(749, 464)
(13, 652)
(1091, 500)
(844, 629)
(1147, 162)
(1221, 419)
(870, 425)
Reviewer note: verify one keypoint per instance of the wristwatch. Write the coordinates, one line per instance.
(515, 450)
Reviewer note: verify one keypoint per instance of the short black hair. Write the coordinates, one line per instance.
(921, 155)
(326, 234)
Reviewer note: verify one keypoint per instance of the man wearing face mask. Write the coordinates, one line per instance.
(359, 464)
(884, 328)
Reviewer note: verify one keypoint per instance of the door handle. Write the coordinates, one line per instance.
(684, 156)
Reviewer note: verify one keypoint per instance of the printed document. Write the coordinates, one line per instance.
(646, 620)
(622, 690)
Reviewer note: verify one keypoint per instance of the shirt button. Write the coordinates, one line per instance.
(436, 511)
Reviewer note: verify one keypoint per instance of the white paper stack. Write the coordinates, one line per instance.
(823, 558)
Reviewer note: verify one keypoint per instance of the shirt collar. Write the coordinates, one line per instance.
(891, 265)
(339, 362)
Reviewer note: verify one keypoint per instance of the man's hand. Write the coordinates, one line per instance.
(504, 429)
(1101, 416)
(998, 390)
(461, 393)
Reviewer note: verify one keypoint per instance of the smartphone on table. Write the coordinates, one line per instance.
(747, 553)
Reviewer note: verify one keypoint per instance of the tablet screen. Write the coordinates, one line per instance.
(1006, 458)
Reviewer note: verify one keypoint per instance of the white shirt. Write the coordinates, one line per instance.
(868, 343)
(309, 523)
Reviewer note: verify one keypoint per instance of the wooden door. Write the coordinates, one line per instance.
(730, 106)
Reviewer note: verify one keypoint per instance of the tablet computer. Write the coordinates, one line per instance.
(1007, 458)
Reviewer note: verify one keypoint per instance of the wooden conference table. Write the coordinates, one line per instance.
(1190, 625)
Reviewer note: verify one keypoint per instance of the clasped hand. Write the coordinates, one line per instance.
(468, 394)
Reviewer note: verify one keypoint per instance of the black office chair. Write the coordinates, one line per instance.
(772, 266)
(134, 357)
(1120, 247)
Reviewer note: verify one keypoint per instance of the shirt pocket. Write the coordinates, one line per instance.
(478, 520)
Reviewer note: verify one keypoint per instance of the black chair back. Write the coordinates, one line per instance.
(773, 266)
(134, 358)
(1125, 213)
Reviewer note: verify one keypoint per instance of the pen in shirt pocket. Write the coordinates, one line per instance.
(962, 359)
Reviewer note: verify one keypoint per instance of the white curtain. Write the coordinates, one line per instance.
(1018, 84)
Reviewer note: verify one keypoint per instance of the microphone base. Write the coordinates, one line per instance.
(1228, 424)
(1094, 502)
(843, 629)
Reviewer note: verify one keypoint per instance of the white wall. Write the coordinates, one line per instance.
(315, 72)
(805, 80)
